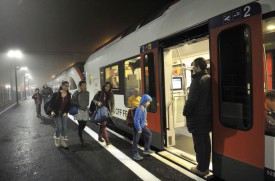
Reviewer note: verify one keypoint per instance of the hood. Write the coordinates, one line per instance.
(144, 99)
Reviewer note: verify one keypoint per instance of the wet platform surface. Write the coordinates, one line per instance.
(27, 152)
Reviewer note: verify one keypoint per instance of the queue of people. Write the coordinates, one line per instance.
(197, 111)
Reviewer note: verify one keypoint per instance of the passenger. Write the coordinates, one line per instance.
(105, 97)
(61, 105)
(133, 101)
(140, 127)
(81, 100)
(198, 115)
(47, 93)
(270, 108)
(38, 100)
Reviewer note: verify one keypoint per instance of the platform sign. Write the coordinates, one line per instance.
(235, 15)
(149, 46)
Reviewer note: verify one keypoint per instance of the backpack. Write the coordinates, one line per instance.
(48, 105)
(130, 117)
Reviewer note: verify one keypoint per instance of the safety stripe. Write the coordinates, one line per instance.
(127, 161)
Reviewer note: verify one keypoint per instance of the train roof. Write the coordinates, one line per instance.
(176, 18)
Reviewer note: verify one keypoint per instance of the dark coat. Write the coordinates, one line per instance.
(56, 100)
(111, 102)
(198, 107)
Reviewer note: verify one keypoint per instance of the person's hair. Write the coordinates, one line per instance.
(200, 62)
(62, 84)
(82, 82)
(270, 94)
(36, 89)
(103, 87)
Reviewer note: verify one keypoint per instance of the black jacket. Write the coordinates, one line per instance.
(56, 100)
(198, 107)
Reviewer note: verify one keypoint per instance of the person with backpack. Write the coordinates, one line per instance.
(60, 104)
(105, 97)
(47, 93)
(81, 99)
(140, 128)
(37, 100)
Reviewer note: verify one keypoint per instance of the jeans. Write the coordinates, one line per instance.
(38, 109)
(61, 125)
(81, 126)
(202, 146)
(147, 136)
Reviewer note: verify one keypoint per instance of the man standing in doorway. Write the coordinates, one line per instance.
(199, 115)
(47, 93)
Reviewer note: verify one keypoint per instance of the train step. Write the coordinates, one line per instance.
(182, 162)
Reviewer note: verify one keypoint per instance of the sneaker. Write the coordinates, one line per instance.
(137, 157)
(63, 143)
(57, 142)
(149, 152)
(200, 173)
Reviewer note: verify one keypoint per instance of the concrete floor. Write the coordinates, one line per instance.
(27, 152)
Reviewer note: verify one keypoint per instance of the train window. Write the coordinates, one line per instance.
(112, 76)
(72, 83)
(150, 83)
(269, 44)
(132, 80)
(235, 77)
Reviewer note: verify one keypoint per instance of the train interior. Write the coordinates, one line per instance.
(178, 71)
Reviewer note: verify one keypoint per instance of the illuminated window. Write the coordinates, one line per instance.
(132, 72)
(112, 76)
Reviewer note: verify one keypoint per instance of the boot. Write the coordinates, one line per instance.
(100, 139)
(82, 142)
(63, 143)
(56, 141)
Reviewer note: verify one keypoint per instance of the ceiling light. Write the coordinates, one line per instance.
(271, 27)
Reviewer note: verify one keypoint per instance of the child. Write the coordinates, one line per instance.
(140, 127)
(38, 100)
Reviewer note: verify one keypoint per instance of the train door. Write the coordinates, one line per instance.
(149, 54)
(237, 68)
(177, 79)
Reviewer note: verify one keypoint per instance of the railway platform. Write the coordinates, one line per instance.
(28, 153)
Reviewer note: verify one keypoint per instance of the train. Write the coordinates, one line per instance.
(73, 74)
(237, 37)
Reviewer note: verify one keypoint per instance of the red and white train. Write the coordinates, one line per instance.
(155, 55)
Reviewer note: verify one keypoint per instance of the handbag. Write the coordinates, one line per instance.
(74, 109)
(100, 114)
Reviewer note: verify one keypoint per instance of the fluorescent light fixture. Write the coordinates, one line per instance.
(271, 27)
(15, 54)
(24, 68)
(8, 86)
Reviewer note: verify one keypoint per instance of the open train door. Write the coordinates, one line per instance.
(149, 56)
(237, 68)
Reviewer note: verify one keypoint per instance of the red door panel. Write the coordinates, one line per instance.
(237, 153)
